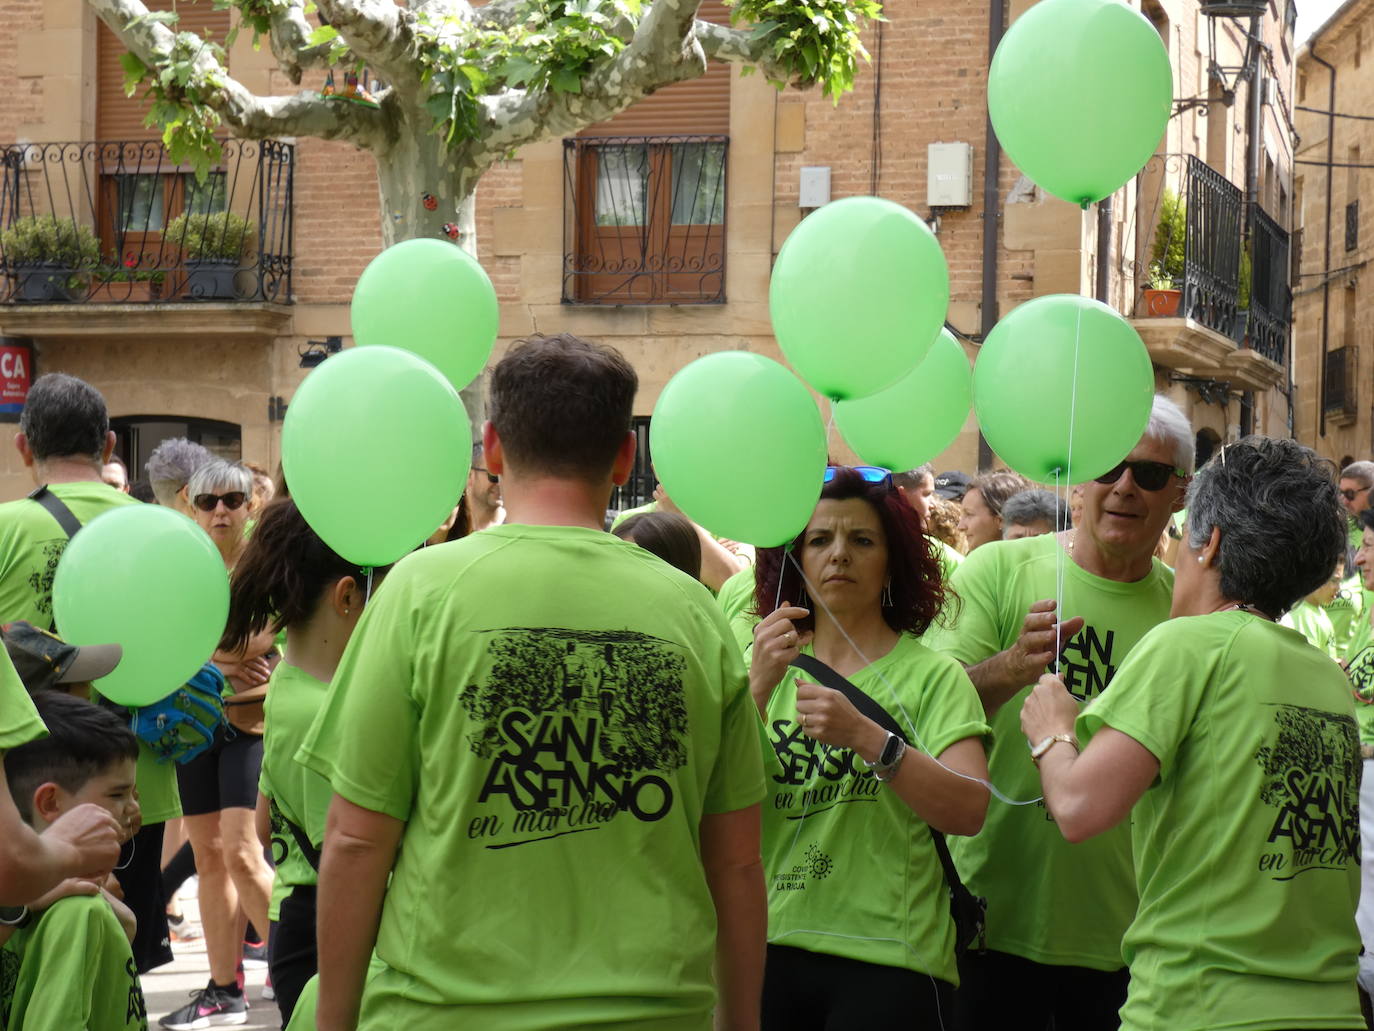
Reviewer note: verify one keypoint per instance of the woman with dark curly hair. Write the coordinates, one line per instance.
(1231, 745)
(859, 928)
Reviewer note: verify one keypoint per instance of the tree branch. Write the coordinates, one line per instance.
(290, 39)
(249, 115)
(662, 51)
(380, 32)
(736, 47)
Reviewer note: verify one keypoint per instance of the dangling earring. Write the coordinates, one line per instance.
(803, 599)
(887, 593)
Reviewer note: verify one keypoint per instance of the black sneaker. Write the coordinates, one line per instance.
(211, 1006)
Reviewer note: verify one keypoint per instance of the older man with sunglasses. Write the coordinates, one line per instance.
(1056, 913)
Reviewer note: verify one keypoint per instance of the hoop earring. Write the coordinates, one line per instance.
(887, 594)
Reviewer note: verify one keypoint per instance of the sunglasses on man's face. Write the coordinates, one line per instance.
(1147, 475)
(1351, 495)
(870, 473)
(490, 477)
(233, 501)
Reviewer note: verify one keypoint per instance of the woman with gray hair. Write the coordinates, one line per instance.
(1231, 745)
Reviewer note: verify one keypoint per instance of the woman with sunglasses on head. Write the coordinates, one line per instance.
(219, 788)
(859, 925)
(1229, 745)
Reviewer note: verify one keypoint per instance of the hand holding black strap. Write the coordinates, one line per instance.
(968, 911)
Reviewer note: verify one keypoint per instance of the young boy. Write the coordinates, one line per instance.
(1311, 619)
(70, 966)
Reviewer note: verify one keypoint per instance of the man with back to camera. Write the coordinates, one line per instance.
(594, 861)
(1057, 912)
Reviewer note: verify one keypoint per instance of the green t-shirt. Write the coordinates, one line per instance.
(652, 506)
(293, 792)
(1359, 656)
(950, 559)
(1345, 611)
(1314, 624)
(851, 869)
(552, 751)
(736, 599)
(71, 970)
(31, 543)
(1048, 901)
(19, 720)
(1247, 846)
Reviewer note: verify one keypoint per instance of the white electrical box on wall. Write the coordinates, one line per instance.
(949, 182)
(814, 188)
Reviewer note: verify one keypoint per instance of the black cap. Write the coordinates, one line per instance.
(44, 660)
(953, 485)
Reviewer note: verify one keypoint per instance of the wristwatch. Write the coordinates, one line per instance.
(15, 916)
(888, 759)
(1038, 751)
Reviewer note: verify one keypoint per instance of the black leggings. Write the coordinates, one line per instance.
(997, 989)
(294, 958)
(810, 991)
(140, 879)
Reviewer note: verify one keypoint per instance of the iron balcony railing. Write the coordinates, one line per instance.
(118, 222)
(1271, 296)
(644, 220)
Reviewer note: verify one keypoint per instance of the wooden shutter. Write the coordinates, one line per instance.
(700, 105)
(118, 117)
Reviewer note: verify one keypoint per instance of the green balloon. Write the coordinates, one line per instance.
(732, 404)
(376, 449)
(150, 580)
(1080, 92)
(909, 424)
(859, 293)
(432, 298)
(1040, 413)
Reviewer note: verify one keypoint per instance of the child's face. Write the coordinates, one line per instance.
(113, 790)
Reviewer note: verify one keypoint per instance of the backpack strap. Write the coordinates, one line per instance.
(57, 509)
(303, 842)
(862, 701)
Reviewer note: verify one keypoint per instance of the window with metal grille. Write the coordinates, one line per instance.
(1352, 225)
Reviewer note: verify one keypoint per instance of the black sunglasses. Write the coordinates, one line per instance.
(1351, 495)
(490, 477)
(1147, 475)
(233, 501)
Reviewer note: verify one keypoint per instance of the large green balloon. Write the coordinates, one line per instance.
(1080, 92)
(150, 580)
(909, 424)
(1040, 416)
(432, 298)
(376, 449)
(859, 293)
(739, 445)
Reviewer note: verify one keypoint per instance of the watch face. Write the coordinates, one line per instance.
(12, 914)
(890, 750)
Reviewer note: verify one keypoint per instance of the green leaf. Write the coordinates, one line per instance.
(135, 71)
(324, 34)
(566, 81)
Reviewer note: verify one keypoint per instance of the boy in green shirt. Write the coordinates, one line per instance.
(70, 966)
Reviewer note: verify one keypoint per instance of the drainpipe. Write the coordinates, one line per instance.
(1104, 246)
(992, 209)
(1326, 246)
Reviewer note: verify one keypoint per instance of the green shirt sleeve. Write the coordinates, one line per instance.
(365, 741)
(979, 629)
(19, 720)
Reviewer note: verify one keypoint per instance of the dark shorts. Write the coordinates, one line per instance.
(997, 989)
(225, 776)
(140, 878)
(293, 959)
(811, 991)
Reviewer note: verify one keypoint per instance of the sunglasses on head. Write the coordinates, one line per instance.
(1351, 495)
(870, 473)
(233, 501)
(1147, 475)
(490, 477)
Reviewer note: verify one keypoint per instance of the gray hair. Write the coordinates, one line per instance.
(911, 479)
(1363, 472)
(64, 417)
(1282, 527)
(218, 474)
(1035, 506)
(170, 466)
(1169, 426)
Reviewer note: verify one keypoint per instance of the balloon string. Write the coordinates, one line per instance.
(367, 594)
(1068, 478)
(830, 426)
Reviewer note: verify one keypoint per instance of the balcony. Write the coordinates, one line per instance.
(117, 226)
(644, 220)
(1226, 311)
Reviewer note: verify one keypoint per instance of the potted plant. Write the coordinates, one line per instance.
(127, 283)
(50, 256)
(1167, 257)
(212, 245)
(1240, 325)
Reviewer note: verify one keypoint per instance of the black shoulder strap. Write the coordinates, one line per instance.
(827, 677)
(57, 509)
(303, 842)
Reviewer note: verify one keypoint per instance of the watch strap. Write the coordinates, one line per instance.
(1038, 752)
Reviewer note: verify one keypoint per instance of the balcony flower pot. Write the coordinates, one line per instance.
(212, 245)
(1162, 304)
(49, 257)
(48, 282)
(128, 286)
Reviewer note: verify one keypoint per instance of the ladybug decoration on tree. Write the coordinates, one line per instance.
(452, 231)
(430, 202)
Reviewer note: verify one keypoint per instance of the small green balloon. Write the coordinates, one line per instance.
(376, 448)
(908, 424)
(431, 298)
(733, 404)
(1080, 92)
(150, 580)
(1063, 385)
(859, 293)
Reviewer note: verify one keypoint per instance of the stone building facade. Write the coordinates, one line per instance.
(225, 369)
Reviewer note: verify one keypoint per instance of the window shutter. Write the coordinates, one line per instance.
(118, 117)
(698, 106)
